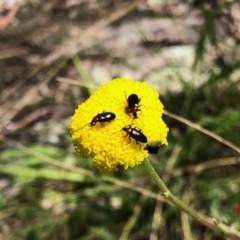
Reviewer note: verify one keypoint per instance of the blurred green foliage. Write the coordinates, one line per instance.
(43, 201)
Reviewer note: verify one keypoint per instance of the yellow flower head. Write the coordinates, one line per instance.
(117, 122)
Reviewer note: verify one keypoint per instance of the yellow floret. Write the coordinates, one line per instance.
(107, 144)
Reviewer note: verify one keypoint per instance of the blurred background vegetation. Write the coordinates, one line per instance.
(187, 50)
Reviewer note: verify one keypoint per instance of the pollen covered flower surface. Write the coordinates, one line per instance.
(106, 143)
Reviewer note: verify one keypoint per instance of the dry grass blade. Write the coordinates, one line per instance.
(12, 53)
(197, 168)
(185, 219)
(75, 82)
(26, 120)
(203, 130)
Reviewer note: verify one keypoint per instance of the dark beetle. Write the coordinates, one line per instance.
(153, 148)
(102, 117)
(133, 99)
(135, 133)
(133, 105)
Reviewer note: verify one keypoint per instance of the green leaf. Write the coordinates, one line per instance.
(25, 172)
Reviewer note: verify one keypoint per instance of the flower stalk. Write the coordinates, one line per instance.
(206, 221)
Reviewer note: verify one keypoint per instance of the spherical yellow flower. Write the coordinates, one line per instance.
(104, 128)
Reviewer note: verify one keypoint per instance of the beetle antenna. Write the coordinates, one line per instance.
(85, 125)
(115, 132)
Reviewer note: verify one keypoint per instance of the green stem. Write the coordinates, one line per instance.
(82, 72)
(206, 221)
